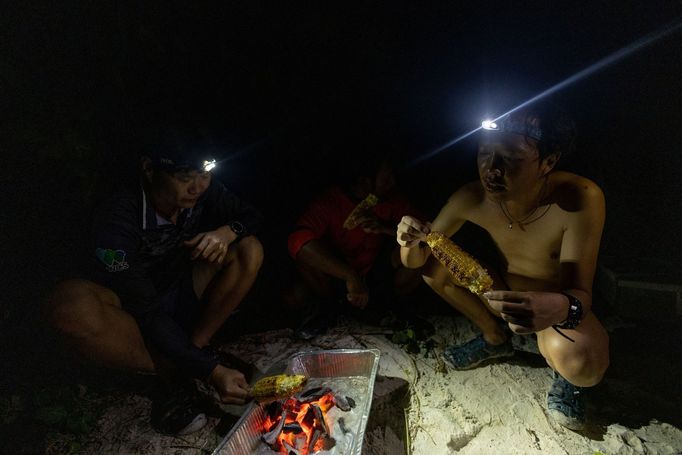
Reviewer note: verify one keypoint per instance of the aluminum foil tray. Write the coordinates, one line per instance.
(351, 370)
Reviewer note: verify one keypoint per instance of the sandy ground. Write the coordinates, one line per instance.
(494, 409)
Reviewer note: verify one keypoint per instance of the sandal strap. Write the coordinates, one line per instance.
(566, 398)
(474, 352)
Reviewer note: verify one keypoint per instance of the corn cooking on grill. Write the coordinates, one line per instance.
(276, 387)
(465, 270)
(359, 210)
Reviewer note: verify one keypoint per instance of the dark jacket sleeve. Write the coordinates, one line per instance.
(224, 207)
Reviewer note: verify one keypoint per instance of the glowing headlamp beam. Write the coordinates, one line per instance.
(606, 61)
(488, 125)
(208, 165)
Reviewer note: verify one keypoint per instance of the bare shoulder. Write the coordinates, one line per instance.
(468, 196)
(459, 208)
(574, 193)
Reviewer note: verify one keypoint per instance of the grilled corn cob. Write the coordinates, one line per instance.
(359, 210)
(465, 270)
(276, 387)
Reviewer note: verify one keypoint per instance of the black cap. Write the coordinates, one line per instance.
(174, 149)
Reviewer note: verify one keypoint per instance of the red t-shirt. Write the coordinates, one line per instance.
(324, 217)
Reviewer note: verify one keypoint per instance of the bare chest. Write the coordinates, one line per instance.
(530, 250)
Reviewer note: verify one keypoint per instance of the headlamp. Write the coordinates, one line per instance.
(208, 165)
(507, 125)
(488, 125)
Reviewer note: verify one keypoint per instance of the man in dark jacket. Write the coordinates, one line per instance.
(173, 255)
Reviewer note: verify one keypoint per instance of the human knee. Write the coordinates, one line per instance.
(406, 279)
(62, 294)
(583, 375)
(580, 366)
(251, 253)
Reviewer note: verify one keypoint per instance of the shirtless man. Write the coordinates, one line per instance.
(547, 228)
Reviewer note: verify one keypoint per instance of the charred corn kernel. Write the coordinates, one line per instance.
(280, 386)
(465, 270)
(359, 210)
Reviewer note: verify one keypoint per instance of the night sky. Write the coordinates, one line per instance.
(286, 88)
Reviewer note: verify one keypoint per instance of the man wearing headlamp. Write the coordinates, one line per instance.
(547, 228)
(173, 255)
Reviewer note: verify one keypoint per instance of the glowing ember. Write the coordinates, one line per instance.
(298, 424)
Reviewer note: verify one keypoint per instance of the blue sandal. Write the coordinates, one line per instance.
(566, 403)
(475, 352)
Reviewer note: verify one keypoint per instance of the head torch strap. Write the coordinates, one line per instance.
(507, 125)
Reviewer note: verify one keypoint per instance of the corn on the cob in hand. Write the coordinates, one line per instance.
(276, 387)
(465, 270)
(353, 219)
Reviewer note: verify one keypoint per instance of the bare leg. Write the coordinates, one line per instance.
(93, 325)
(310, 284)
(223, 287)
(404, 280)
(315, 281)
(473, 308)
(582, 363)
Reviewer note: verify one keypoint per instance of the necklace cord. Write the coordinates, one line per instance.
(522, 222)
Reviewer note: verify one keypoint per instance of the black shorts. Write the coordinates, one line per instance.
(181, 303)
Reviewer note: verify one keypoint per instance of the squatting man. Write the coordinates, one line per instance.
(173, 255)
(547, 227)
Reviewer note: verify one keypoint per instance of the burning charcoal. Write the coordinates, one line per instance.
(270, 438)
(273, 409)
(313, 394)
(320, 418)
(342, 425)
(290, 450)
(293, 427)
(291, 404)
(301, 441)
(328, 443)
(341, 402)
(313, 440)
(351, 401)
(306, 393)
(309, 418)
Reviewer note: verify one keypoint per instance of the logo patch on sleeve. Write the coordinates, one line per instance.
(113, 260)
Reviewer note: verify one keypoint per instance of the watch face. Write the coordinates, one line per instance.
(237, 227)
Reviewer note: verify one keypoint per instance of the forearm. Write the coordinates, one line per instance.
(414, 257)
(316, 254)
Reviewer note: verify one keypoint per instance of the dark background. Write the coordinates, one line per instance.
(286, 88)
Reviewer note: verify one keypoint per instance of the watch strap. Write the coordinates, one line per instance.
(575, 312)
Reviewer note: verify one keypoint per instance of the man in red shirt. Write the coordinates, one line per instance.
(357, 266)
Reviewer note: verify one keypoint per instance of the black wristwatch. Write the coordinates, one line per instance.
(575, 312)
(238, 228)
